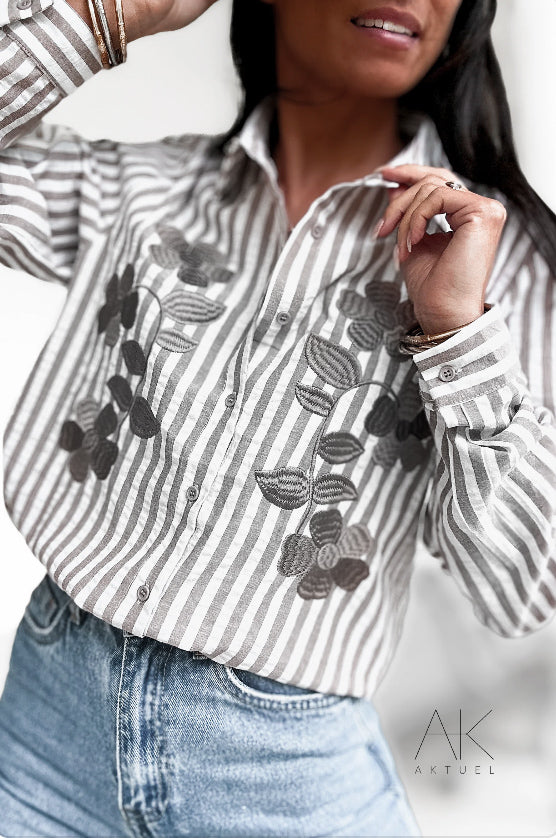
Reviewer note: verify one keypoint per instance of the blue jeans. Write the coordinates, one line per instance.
(106, 734)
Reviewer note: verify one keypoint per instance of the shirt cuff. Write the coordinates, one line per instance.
(478, 360)
(55, 37)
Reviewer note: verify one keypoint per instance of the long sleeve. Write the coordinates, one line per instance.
(46, 52)
(488, 394)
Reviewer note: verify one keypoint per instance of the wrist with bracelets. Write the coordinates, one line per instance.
(415, 340)
(109, 55)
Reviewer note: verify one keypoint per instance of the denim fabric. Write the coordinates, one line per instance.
(103, 733)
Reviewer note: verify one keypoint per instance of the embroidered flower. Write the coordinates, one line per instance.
(197, 264)
(402, 427)
(120, 306)
(87, 440)
(330, 557)
(378, 317)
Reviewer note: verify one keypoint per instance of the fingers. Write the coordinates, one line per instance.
(400, 202)
(410, 174)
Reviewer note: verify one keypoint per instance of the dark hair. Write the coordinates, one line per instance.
(463, 93)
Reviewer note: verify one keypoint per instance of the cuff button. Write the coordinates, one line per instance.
(447, 373)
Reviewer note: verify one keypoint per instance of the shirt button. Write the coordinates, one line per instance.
(316, 232)
(230, 399)
(446, 373)
(23, 4)
(283, 317)
(192, 492)
(143, 592)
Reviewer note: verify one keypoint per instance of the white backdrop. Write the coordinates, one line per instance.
(184, 81)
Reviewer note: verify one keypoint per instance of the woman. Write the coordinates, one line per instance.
(224, 452)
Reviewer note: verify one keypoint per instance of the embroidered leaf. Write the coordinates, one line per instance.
(334, 364)
(386, 452)
(142, 421)
(205, 253)
(193, 275)
(79, 465)
(413, 453)
(107, 421)
(325, 527)
(103, 458)
(314, 399)
(354, 306)
(126, 280)
(87, 410)
(332, 488)
(121, 391)
(354, 541)
(190, 257)
(328, 556)
(71, 436)
(175, 341)
(165, 256)
(129, 309)
(339, 447)
(366, 334)
(171, 236)
(383, 295)
(112, 334)
(386, 317)
(186, 307)
(284, 487)
(298, 555)
(90, 440)
(382, 417)
(349, 573)
(104, 316)
(316, 584)
(410, 401)
(420, 427)
(134, 357)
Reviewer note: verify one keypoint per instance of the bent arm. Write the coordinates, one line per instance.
(491, 513)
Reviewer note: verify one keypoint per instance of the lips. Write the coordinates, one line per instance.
(390, 14)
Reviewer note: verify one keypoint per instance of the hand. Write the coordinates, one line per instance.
(446, 274)
(146, 17)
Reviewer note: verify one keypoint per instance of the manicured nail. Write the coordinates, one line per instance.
(396, 258)
(409, 242)
(377, 229)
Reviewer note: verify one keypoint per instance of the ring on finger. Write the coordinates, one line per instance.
(454, 184)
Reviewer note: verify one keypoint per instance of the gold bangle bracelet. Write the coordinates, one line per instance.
(102, 48)
(415, 340)
(122, 52)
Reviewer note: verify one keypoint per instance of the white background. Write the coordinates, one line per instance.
(179, 82)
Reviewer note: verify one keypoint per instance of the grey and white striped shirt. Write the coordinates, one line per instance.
(220, 446)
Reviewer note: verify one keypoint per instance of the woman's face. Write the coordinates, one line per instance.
(327, 48)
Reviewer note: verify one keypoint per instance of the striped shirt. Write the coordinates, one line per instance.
(220, 446)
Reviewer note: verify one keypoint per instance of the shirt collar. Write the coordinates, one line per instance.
(423, 148)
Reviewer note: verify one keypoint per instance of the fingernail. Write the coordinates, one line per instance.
(409, 242)
(377, 229)
(396, 258)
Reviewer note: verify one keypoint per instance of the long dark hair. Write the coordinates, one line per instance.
(463, 93)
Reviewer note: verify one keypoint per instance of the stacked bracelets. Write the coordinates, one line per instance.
(415, 340)
(109, 56)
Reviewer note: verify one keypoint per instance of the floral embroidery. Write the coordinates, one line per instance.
(197, 263)
(91, 438)
(332, 556)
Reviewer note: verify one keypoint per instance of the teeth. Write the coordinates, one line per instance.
(371, 23)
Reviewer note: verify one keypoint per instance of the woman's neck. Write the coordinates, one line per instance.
(319, 145)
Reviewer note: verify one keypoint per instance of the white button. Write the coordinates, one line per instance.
(316, 232)
(283, 317)
(143, 592)
(446, 373)
(230, 399)
(192, 492)
(23, 4)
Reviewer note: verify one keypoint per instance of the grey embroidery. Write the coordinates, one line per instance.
(91, 438)
(197, 264)
(333, 555)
